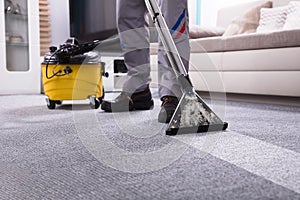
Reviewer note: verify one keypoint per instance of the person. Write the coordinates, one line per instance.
(134, 36)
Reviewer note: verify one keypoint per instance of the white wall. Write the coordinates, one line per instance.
(60, 21)
(209, 10)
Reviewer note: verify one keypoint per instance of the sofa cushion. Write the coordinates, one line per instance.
(197, 31)
(279, 39)
(211, 44)
(248, 22)
(252, 41)
(272, 19)
(293, 19)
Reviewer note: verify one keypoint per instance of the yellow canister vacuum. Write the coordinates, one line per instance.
(71, 74)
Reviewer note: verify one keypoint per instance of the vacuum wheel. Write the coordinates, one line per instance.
(94, 102)
(50, 104)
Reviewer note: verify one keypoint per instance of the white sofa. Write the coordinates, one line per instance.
(216, 65)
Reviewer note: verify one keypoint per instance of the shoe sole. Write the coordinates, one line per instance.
(135, 106)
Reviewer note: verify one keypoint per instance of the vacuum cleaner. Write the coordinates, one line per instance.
(192, 114)
(70, 74)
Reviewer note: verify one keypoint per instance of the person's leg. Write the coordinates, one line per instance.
(135, 43)
(134, 37)
(175, 13)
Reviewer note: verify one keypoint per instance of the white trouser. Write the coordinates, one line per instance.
(134, 35)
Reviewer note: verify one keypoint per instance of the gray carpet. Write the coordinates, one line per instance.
(74, 152)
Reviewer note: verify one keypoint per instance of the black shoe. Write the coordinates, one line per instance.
(125, 102)
(168, 107)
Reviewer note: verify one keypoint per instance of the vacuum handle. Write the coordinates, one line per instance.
(166, 38)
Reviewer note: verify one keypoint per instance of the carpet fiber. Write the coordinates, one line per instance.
(74, 152)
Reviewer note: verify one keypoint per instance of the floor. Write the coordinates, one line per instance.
(75, 152)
